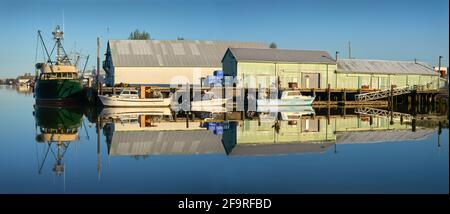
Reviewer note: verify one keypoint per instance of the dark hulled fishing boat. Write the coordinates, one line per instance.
(57, 82)
(58, 127)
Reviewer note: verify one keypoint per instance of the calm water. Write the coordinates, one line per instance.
(147, 152)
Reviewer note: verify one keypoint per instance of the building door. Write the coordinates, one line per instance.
(311, 80)
(310, 125)
(306, 81)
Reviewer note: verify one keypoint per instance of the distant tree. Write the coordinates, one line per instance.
(273, 45)
(180, 38)
(137, 35)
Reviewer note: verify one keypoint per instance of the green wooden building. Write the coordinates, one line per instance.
(256, 68)
(380, 74)
(260, 68)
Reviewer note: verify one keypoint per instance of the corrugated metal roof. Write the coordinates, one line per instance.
(165, 142)
(383, 67)
(172, 53)
(281, 55)
(382, 136)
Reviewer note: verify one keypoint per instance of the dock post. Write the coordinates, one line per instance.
(187, 119)
(174, 116)
(99, 122)
(328, 114)
(392, 104)
(433, 102)
(439, 134)
(328, 93)
(344, 96)
(99, 86)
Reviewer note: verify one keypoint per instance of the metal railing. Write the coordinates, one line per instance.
(383, 113)
(385, 93)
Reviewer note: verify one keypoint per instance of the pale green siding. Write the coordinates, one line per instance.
(253, 131)
(254, 74)
(376, 81)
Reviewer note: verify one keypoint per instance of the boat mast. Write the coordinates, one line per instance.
(58, 35)
(45, 47)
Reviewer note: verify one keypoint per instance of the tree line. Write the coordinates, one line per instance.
(143, 35)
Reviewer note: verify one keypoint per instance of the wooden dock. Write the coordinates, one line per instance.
(324, 96)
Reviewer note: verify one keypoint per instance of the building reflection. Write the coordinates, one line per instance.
(153, 131)
(143, 132)
(56, 128)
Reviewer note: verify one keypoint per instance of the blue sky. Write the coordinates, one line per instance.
(377, 29)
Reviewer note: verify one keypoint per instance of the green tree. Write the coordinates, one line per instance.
(180, 38)
(273, 45)
(137, 35)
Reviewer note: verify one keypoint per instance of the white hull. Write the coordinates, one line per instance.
(287, 112)
(120, 112)
(286, 109)
(303, 101)
(115, 101)
(206, 103)
(212, 109)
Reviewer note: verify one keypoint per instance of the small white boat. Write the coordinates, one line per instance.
(212, 109)
(120, 112)
(130, 98)
(287, 112)
(208, 99)
(288, 98)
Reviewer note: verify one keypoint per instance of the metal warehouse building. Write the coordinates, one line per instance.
(304, 68)
(380, 74)
(316, 69)
(165, 62)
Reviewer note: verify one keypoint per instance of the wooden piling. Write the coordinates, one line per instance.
(187, 119)
(392, 104)
(344, 96)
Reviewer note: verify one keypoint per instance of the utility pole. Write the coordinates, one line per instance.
(98, 65)
(439, 72)
(349, 50)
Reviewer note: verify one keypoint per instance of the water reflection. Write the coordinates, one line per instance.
(142, 132)
(56, 129)
(138, 132)
(159, 131)
(217, 143)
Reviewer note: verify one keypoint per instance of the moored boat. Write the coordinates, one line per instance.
(288, 98)
(126, 111)
(208, 100)
(130, 98)
(57, 82)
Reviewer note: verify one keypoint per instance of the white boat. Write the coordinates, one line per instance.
(208, 99)
(288, 98)
(130, 98)
(120, 112)
(287, 112)
(211, 108)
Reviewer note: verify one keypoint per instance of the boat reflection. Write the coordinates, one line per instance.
(57, 127)
(268, 131)
(291, 113)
